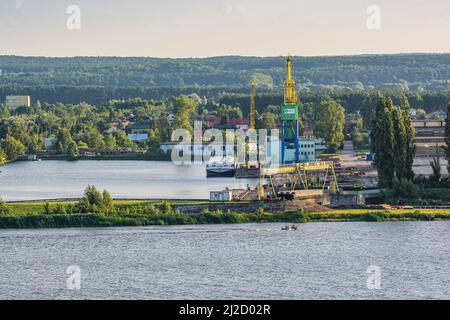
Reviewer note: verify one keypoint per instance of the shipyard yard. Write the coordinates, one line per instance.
(47, 180)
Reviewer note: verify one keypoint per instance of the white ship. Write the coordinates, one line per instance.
(221, 167)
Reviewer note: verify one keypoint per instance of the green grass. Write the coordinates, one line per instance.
(392, 211)
(116, 220)
(31, 215)
(381, 215)
(33, 208)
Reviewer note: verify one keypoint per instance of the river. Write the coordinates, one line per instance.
(252, 261)
(123, 179)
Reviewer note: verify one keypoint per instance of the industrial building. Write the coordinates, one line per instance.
(199, 149)
(430, 137)
(14, 102)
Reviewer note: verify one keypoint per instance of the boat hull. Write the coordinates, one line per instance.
(220, 174)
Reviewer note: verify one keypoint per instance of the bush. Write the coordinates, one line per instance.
(4, 210)
(94, 202)
(59, 209)
(166, 207)
(404, 188)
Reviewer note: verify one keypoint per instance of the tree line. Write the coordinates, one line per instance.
(103, 128)
(234, 96)
(400, 71)
(392, 139)
(392, 143)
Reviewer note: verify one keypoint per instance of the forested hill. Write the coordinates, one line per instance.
(402, 71)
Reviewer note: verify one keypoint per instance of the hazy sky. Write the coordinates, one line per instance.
(199, 28)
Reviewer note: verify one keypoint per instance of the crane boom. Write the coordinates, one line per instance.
(252, 105)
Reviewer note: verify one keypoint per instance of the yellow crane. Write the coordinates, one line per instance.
(296, 177)
(290, 96)
(252, 105)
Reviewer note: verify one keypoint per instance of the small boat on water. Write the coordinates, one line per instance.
(221, 167)
(290, 228)
(32, 157)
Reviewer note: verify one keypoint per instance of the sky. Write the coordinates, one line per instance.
(202, 28)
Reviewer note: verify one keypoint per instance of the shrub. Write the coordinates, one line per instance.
(107, 202)
(404, 188)
(4, 210)
(59, 209)
(260, 211)
(166, 207)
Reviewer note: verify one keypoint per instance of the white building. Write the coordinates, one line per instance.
(191, 149)
(320, 144)
(49, 142)
(221, 196)
(306, 150)
(13, 102)
(138, 136)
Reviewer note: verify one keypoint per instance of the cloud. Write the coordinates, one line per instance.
(228, 9)
(18, 4)
(234, 9)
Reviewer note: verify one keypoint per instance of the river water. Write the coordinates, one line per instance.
(123, 179)
(252, 261)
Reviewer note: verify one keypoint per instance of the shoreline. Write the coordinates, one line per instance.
(30, 215)
(103, 221)
(69, 200)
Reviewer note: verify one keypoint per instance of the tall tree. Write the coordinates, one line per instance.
(122, 140)
(382, 137)
(63, 139)
(184, 108)
(368, 109)
(153, 145)
(110, 142)
(13, 148)
(408, 172)
(268, 121)
(393, 142)
(96, 140)
(72, 152)
(329, 123)
(400, 143)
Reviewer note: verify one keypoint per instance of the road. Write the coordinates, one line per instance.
(349, 159)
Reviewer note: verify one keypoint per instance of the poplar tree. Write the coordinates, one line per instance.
(382, 136)
(400, 144)
(393, 142)
(408, 172)
(368, 107)
(447, 138)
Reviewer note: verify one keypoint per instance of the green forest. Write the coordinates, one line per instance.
(99, 79)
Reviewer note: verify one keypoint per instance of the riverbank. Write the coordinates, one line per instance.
(145, 213)
(29, 180)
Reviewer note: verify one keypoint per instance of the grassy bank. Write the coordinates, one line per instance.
(144, 213)
(116, 220)
(380, 215)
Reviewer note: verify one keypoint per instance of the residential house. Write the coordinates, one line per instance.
(139, 128)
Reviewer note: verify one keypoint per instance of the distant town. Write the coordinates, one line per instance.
(347, 154)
